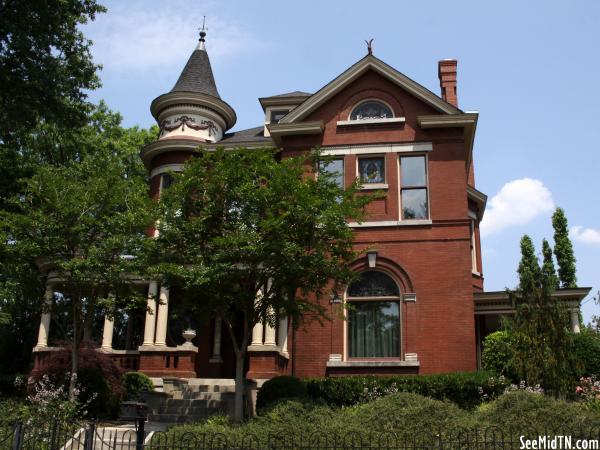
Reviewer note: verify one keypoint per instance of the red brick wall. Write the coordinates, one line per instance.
(436, 258)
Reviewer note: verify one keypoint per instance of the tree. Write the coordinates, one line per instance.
(80, 220)
(548, 270)
(45, 65)
(248, 238)
(563, 249)
(21, 284)
(540, 327)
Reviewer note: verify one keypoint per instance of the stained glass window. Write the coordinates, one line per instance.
(371, 170)
(371, 109)
(374, 284)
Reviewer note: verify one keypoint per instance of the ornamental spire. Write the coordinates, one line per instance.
(203, 30)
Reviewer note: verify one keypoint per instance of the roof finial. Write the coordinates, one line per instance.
(369, 46)
(202, 35)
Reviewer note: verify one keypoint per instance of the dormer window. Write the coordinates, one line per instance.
(371, 109)
(277, 115)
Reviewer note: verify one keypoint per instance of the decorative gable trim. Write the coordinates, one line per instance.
(369, 62)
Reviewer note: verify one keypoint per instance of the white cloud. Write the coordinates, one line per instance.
(585, 235)
(132, 37)
(517, 203)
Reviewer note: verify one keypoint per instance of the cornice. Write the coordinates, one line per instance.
(278, 130)
(478, 197)
(282, 101)
(159, 147)
(181, 98)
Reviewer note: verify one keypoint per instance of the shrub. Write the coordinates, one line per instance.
(466, 389)
(278, 388)
(522, 409)
(134, 383)
(586, 347)
(96, 393)
(497, 354)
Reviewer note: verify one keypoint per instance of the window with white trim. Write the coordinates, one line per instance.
(371, 170)
(371, 109)
(413, 187)
(373, 327)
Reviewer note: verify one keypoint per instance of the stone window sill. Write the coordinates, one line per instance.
(374, 186)
(362, 123)
(391, 223)
(414, 363)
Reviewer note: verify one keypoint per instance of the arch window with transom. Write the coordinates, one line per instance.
(373, 326)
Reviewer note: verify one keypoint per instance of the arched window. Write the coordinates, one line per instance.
(371, 109)
(373, 316)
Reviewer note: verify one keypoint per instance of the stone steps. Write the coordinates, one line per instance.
(189, 400)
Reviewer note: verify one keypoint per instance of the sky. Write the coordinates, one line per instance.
(531, 69)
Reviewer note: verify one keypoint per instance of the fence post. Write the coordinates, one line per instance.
(89, 436)
(53, 437)
(139, 435)
(18, 437)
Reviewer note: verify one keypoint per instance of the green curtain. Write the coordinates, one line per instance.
(374, 330)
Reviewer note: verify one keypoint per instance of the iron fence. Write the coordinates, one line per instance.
(92, 436)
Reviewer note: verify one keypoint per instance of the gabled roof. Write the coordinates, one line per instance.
(367, 63)
(197, 75)
(292, 94)
(288, 99)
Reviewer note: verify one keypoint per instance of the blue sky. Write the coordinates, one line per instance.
(531, 69)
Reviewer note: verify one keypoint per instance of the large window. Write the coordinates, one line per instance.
(413, 182)
(373, 317)
(336, 168)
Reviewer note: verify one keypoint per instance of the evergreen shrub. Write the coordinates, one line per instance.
(497, 354)
(284, 387)
(134, 383)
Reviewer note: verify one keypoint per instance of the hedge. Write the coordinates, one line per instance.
(467, 389)
(278, 388)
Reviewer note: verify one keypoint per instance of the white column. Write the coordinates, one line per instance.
(44, 330)
(162, 317)
(575, 321)
(216, 354)
(270, 332)
(283, 334)
(107, 334)
(257, 334)
(150, 322)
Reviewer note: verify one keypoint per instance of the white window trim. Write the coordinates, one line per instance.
(391, 223)
(366, 186)
(474, 259)
(377, 149)
(426, 186)
(362, 122)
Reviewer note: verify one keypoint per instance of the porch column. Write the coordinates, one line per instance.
(283, 334)
(150, 323)
(44, 330)
(270, 330)
(575, 327)
(257, 334)
(162, 317)
(107, 334)
(216, 353)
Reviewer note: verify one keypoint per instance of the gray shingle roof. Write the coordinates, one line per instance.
(255, 134)
(292, 94)
(197, 76)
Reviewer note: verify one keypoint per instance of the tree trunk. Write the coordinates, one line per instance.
(240, 387)
(74, 351)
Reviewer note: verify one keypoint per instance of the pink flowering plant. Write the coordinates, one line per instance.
(588, 391)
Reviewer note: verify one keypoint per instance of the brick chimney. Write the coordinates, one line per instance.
(447, 75)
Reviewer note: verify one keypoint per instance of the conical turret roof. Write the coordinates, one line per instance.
(197, 75)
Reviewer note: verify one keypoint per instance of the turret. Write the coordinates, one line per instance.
(189, 115)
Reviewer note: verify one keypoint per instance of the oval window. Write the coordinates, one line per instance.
(371, 109)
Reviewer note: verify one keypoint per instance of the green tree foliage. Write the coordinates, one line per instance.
(563, 249)
(548, 270)
(540, 328)
(239, 222)
(45, 65)
(79, 220)
(497, 355)
(21, 283)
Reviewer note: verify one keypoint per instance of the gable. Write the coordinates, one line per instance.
(368, 63)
